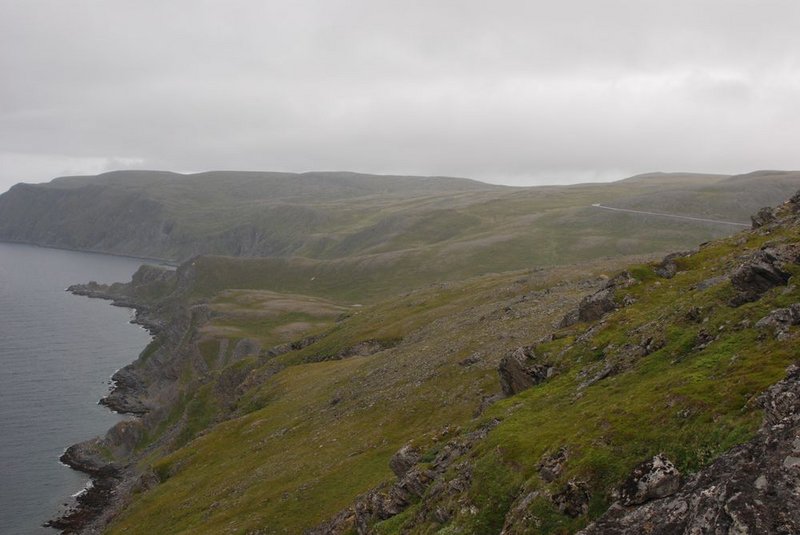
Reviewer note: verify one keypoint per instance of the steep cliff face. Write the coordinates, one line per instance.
(91, 217)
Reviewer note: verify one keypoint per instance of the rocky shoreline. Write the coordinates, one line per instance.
(144, 389)
(97, 495)
(95, 457)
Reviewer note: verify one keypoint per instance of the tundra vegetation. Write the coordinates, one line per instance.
(370, 393)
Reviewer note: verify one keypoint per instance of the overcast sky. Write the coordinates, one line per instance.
(516, 92)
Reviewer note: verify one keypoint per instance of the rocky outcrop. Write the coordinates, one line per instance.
(595, 306)
(573, 499)
(763, 217)
(653, 479)
(750, 489)
(667, 268)
(551, 466)
(128, 393)
(617, 359)
(522, 369)
(404, 460)
(591, 308)
(149, 286)
(284, 348)
(761, 272)
(779, 320)
(89, 458)
(569, 319)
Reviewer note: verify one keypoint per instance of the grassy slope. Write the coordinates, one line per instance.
(303, 444)
(692, 404)
(293, 456)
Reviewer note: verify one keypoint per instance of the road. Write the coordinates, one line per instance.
(598, 205)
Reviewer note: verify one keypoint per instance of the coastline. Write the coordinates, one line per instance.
(105, 474)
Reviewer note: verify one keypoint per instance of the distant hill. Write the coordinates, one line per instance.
(174, 216)
(441, 228)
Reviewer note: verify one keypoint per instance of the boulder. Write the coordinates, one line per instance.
(474, 358)
(757, 275)
(652, 479)
(595, 306)
(519, 370)
(703, 339)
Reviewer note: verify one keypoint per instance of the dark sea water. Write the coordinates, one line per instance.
(57, 352)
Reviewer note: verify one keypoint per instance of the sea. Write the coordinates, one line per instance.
(57, 354)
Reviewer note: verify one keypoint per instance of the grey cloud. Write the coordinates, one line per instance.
(507, 91)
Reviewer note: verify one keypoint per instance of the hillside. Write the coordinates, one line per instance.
(622, 392)
(418, 229)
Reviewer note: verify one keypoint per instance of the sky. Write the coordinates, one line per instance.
(514, 92)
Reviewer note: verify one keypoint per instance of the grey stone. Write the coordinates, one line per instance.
(573, 500)
(403, 460)
(728, 495)
(654, 478)
(763, 217)
(520, 370)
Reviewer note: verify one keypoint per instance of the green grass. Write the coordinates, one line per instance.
(691, 404)
(308, 435)
(303, 447)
